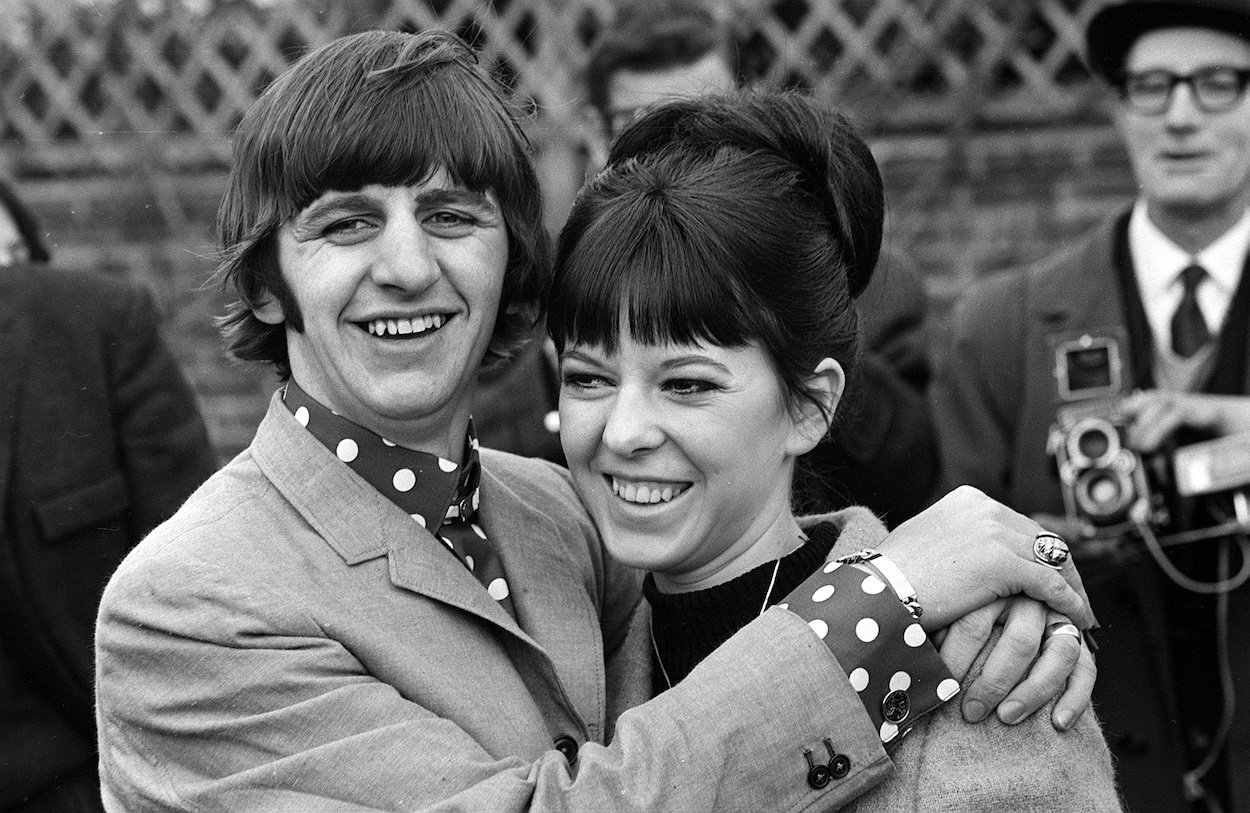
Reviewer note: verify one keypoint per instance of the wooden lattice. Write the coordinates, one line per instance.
(119, 84)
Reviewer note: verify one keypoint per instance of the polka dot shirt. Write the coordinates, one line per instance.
(440, 495)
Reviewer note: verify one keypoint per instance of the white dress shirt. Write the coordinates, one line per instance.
(1158, 262)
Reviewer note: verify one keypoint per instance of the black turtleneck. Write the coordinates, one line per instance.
(686, 627)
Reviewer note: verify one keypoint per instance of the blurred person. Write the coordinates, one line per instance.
(1142, 326)
(884, 453)
(704, 309)
(100, 441)
(365, 609)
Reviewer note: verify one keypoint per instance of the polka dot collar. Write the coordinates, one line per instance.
(429, 488)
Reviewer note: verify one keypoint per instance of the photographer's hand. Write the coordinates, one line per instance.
(1155, 415)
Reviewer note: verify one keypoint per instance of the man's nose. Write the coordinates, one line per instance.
(407, 256)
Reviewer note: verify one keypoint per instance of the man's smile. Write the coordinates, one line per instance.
(404, 326)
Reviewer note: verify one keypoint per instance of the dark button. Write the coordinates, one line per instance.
(839, 766)
(896, 706)
(568, 746)
(818, 776)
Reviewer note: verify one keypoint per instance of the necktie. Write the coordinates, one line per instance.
(1189, 328)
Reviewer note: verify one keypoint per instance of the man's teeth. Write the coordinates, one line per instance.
(402, 327)
(645, 492)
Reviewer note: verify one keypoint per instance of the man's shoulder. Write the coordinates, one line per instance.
(535, 481)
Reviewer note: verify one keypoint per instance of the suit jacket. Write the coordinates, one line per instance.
(100, 440)
(994, 401)
(292, 640)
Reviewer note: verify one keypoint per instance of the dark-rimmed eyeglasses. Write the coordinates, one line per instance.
(1214, 90)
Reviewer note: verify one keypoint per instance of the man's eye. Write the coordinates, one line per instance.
(451, 223)
(348, 228)
(689, 386)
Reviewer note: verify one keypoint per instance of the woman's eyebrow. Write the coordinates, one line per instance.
(683, 361)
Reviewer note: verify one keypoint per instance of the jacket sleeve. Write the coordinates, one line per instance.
(948, 764)
(164, 445)
(977, 383)
(224, 696)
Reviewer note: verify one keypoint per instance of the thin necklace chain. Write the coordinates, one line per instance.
(651, 624)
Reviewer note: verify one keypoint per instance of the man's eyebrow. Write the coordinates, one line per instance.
(329, 203)
(455, 195)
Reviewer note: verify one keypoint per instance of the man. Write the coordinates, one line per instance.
(1121, 312)
(100, 441)
(364, 611)
(883, 454)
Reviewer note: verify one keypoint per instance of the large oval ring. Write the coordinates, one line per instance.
(1050, 550)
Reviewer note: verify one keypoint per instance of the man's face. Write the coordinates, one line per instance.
(399, 288)
(631, 91)
(1185, 159)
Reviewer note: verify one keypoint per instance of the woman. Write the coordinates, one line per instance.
(703, 308)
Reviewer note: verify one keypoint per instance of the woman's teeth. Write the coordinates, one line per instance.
(403, 327)
(646, 492)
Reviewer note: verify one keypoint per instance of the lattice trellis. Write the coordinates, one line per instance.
(112, 85)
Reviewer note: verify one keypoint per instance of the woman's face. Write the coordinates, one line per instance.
(683, 454)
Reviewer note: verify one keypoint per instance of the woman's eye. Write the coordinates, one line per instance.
(689, 386)
(583, 381)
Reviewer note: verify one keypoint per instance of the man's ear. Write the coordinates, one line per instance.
(812, 421)
(269, 310)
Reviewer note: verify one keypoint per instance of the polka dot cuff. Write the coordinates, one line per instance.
(898, 673)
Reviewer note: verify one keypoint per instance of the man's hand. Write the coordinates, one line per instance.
(1065, 665)
(968, 550)
(1155, 415)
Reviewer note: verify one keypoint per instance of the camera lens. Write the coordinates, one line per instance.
(1094, 443)
(1103, 494)
(1104, 490)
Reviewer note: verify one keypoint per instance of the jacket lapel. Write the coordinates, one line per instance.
(359, 523)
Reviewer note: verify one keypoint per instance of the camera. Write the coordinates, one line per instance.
(1105, 484)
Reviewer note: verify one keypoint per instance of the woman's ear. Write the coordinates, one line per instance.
(269, 310)
(813, 420)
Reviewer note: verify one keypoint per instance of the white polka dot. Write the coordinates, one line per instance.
(468, 560)
(872, 585)
(404, 480)
(446, 465)
(947, 689)
(867, 630)
(301, 415)
(453, 512)
(832, 566)
(386, 442)
(347, 450)
(823, 593)
(819, 627)
(551, 421)
(785, 605)
(900, 682)
(859, 679)
(498, 589)
(888, 732)
(447, 542)
(477, 529)
(473, 443)
(420, 519)
(476, 500)
(914, 635)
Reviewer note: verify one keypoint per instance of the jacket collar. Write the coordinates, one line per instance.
(361, 524)
(1080, 289)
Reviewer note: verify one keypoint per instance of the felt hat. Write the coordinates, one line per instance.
(1114, 29)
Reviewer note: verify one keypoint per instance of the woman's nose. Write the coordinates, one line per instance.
(631, 426)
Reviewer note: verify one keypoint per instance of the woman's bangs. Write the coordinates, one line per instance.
(669, 290)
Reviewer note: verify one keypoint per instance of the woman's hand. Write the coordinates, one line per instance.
(968, 550)
(1064, 665)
